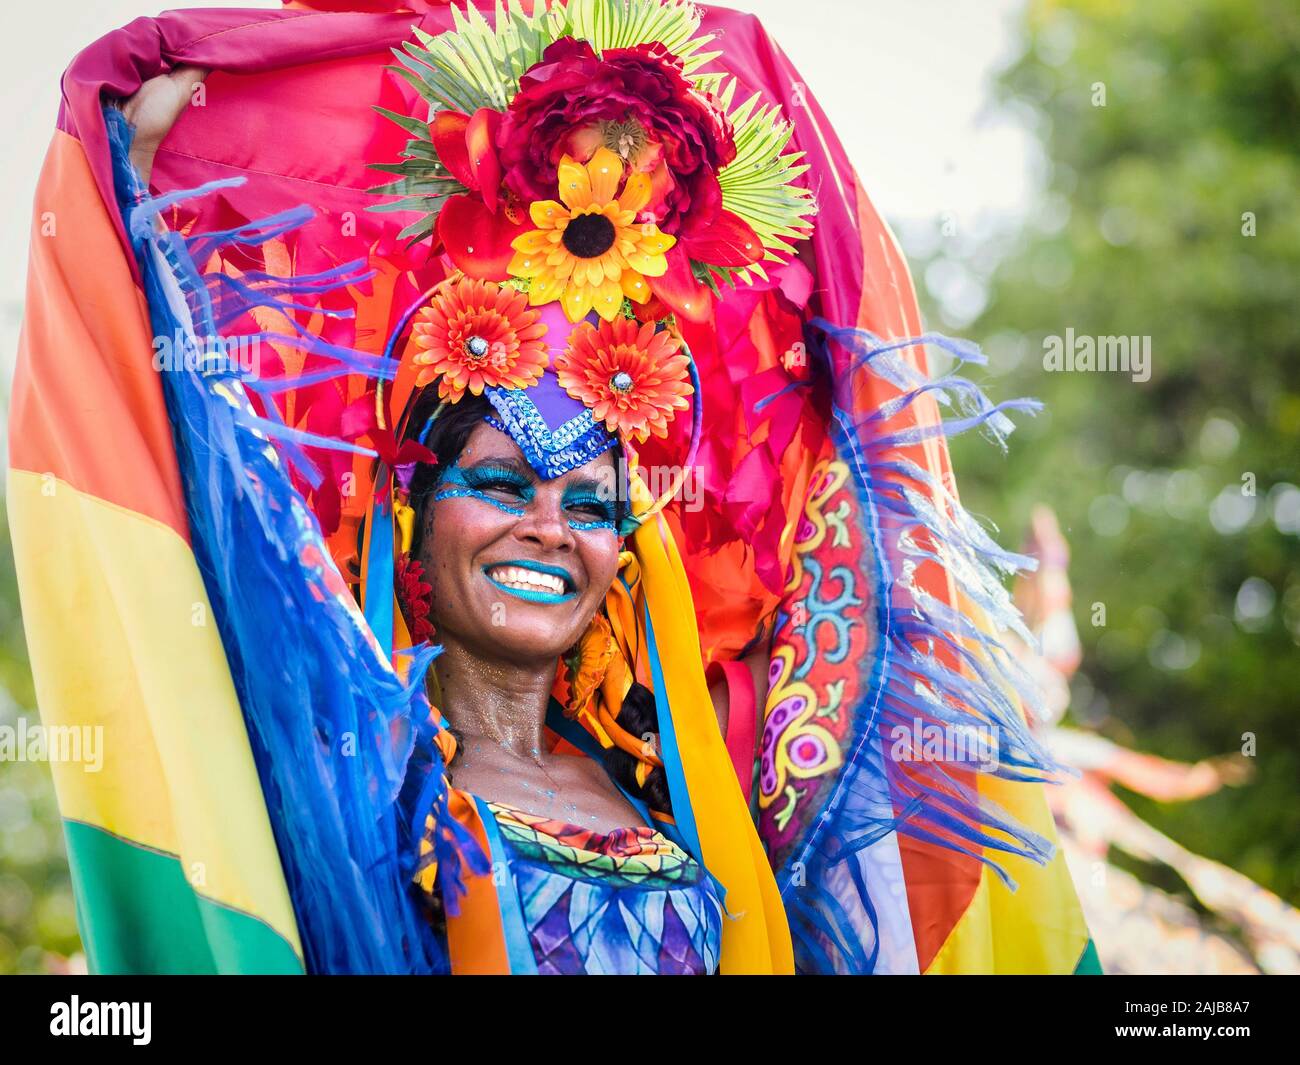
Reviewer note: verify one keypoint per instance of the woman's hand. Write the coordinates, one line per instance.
(153, 111)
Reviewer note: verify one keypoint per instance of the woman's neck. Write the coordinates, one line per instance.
(502, 702)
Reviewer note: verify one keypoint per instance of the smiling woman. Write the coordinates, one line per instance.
(516, 519)
(518, 568)
(542, 519)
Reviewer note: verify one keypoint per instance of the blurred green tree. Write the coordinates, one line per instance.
(1170, 210)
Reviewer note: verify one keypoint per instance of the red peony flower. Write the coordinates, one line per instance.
(475, 334)
(635, 101)
(632, 378)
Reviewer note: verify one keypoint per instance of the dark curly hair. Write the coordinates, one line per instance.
(447, 438)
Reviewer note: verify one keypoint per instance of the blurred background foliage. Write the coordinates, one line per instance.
(1166, 127)
(1170, 208)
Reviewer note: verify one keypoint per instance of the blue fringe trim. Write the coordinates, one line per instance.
(337, 736)
(913, 518)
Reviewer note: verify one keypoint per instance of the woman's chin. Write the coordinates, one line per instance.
(525, 648)
(531, 631)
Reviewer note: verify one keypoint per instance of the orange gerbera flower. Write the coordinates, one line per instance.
(587, 667)
(632, 378)
(474, 334)
(588, 250)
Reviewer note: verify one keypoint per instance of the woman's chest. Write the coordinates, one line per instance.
(574, 789)
(578, 901)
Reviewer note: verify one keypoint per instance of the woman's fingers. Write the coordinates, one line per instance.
(156, 105)
(154, 109)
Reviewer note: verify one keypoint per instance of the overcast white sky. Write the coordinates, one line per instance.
(905, 83)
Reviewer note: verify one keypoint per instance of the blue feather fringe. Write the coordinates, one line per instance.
(343, 745)
(913, 519)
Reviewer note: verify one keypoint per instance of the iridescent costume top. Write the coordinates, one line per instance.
(630, 901)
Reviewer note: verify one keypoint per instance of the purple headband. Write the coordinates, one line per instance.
(556, 432)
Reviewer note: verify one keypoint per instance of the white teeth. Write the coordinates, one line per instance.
(528, 579)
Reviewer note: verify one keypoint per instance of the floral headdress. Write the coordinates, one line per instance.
(581, 154)
(578, 167)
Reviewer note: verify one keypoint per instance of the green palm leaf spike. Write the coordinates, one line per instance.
(474, 65)
(477, 64)
(758, 185)
(421, 182)
(625, 23)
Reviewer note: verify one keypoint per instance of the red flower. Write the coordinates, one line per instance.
(632, 378)
(414, 595)
(475, 334)
(397, 457)
(476, 229)
(635, 101)
(464, 144)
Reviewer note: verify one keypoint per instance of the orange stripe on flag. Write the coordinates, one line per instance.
(98, 424)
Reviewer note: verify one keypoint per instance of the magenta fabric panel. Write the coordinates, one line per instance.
(244, 42)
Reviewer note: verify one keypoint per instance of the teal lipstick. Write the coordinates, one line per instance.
(534, 595)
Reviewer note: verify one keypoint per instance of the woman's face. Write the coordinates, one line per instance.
(518, 565)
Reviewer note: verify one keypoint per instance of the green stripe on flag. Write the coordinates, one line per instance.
(1089, 962)
(138, 914)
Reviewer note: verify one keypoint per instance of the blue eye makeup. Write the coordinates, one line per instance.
(488, 477)
(591, 510)
(511, 491)
(506, 489)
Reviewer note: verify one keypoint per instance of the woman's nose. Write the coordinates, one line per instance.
(544, 524)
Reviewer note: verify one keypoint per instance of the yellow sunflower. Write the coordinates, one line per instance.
(589, 250)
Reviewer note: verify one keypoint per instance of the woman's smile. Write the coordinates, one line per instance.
(532, 581)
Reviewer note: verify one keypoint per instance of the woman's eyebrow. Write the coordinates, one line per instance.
(590, 484)
(507, 462)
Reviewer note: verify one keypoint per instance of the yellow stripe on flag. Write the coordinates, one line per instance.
(122, 637)
(756, 938)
